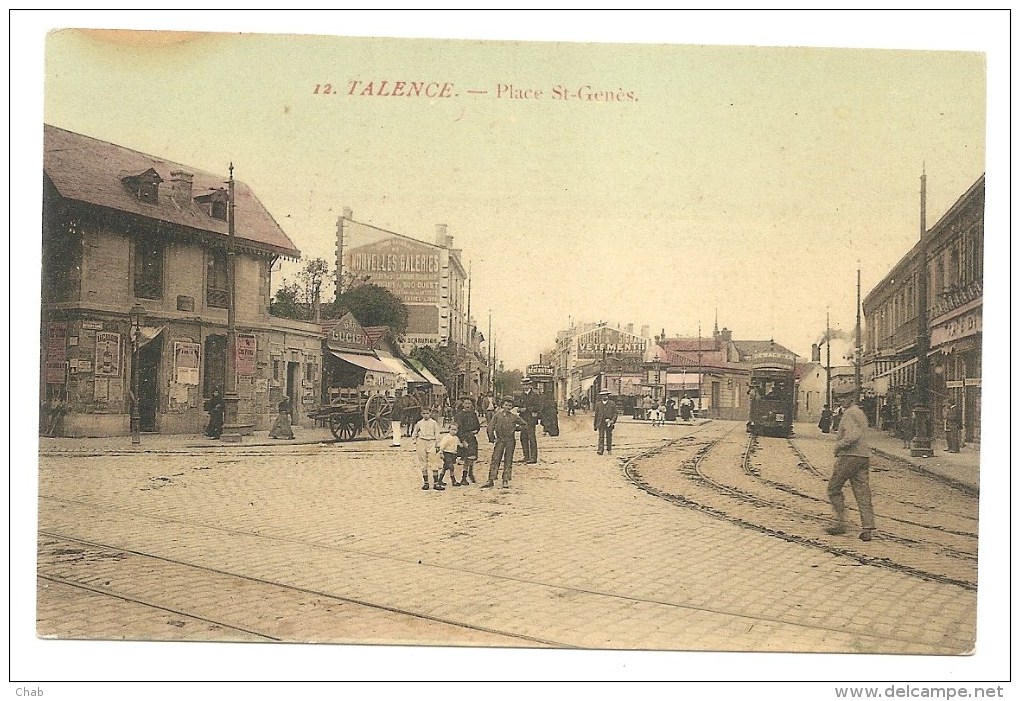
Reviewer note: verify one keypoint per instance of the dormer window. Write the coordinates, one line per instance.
(215, 204)
(144, 186)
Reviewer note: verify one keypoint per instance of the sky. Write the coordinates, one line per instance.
(748, 183)
(738, 176)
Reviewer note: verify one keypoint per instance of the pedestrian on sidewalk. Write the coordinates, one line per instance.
(426, 444)
(825, 423)
(216, 408)
(606, 414)
(468, 427)
(852, 464)
(501, 432)
(282, 428)
(951, 417)
(686, 408)
(448, 446)
(837, 415)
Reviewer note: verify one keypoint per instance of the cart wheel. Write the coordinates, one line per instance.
(342, 426)
(377, 416)
(348, 430)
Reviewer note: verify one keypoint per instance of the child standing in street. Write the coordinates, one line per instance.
(426, 443)
(448, 445)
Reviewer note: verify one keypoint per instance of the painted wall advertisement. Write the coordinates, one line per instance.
(186, 363)
(611, 343)
(107, 354)
(245, 355)
(409, 269)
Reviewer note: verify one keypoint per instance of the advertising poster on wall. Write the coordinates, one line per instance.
(245, 355)
(107, 354)
(186, 363)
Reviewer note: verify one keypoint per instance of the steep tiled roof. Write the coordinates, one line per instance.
(88, 170)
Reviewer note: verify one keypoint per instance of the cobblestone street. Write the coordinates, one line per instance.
(326, 542)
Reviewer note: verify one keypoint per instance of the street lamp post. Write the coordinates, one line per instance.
(654, 377)
(137, 316)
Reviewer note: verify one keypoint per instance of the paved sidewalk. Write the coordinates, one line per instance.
(155, 442)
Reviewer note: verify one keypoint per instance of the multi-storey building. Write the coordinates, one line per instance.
(432, 282)
(127, 232)
(954, 250)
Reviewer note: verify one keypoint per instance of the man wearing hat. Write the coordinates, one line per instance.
(530, 406)
(605, 420)
(852, 458)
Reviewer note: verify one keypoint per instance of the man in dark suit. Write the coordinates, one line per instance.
(605, 419)
(530, 406)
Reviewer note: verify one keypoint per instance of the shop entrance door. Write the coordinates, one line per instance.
(149, 357)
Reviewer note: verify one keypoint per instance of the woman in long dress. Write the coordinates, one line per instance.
(282, 428)
(216, 408)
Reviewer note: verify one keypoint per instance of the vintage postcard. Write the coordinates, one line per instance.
(460, 347)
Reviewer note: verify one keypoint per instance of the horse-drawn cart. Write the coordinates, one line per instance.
(350, 411)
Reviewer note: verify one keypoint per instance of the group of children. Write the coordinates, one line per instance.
(431, 442)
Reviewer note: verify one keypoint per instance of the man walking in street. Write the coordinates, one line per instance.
(605, 419)
(531, 409)
(501, 432)
(852, 464)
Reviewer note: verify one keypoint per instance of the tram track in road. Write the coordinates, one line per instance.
(718, 479)
(303, 609)
(315, 606)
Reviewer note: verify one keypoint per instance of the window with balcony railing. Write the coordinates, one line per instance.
(216, 280)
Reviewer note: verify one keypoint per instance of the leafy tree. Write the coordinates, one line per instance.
(288, 302)
(298, 299)
(314, 275)
(373, 305)
(440, 361)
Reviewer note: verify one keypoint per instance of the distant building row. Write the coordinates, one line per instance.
(712, 370)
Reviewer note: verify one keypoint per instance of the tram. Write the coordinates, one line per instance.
(773, 394)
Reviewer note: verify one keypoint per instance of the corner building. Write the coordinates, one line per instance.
(123, 231)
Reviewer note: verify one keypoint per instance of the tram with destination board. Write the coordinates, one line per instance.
(773, 394)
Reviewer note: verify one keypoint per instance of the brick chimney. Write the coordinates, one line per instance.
(630, 328)
(348, 213)
(180, 188)
(644, 331)
(725, 335)
(442, 238)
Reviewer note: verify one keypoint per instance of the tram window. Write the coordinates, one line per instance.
(763, 388)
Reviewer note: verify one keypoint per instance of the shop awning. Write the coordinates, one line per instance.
(399, 367)
(901, 366)
(586, 384)
(368, 362)
(147, 334)
(424, 371)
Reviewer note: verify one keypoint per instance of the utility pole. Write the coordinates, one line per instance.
(699, 370)
(921, 445)
(857, 340)
(828, 361)
(231, 401)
